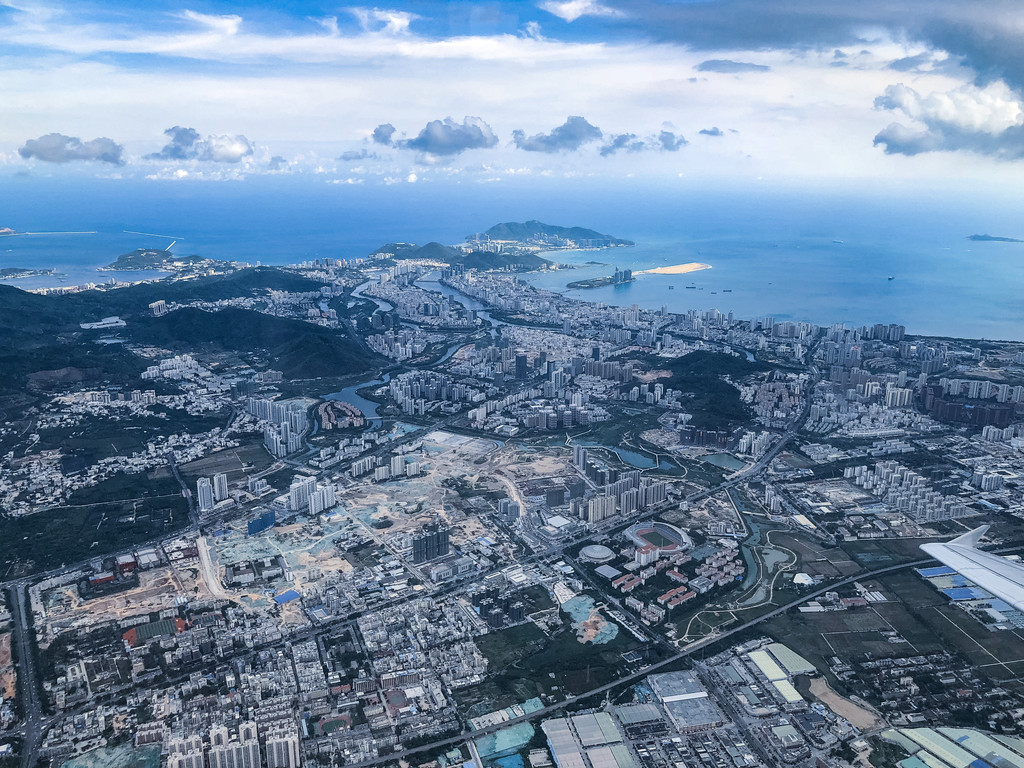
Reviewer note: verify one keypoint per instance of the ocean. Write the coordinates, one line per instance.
(815, 255)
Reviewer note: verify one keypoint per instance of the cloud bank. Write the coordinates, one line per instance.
(568, 137)
(58, 148)
(446, 138)
(188, 144)
(728, 66)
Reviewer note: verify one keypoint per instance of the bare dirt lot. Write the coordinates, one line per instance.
(859, 716)
(8, 678)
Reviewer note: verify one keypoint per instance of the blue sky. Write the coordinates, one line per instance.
(746, 91)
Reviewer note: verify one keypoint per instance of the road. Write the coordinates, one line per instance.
(633, 677)
(28, 687)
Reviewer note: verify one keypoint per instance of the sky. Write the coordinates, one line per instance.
(801, 92)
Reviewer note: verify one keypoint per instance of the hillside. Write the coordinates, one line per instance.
(526, 231)
(395, 250)
(438, 252)
(43, 347)
(155, 258)
(299, 349)
(485, 260)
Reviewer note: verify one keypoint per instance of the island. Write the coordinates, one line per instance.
(993, 239)
(619, 278)
(507, 247)
(16, 273)
(157, 259)
(537, 234)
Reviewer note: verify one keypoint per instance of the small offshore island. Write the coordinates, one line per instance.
(993, 239)
(627, 275)
(144, 259)
(619, 278)
(17, 273)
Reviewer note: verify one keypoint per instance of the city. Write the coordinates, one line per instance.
(586, 535)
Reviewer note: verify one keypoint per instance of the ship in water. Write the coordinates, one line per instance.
(891, 277)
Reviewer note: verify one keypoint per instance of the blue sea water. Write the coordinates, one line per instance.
(816, 255)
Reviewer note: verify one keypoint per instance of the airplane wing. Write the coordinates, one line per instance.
(1002, 578)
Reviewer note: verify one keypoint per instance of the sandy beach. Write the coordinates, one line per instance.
(678, 269)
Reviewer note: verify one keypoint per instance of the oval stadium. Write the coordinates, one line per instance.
(664, 537)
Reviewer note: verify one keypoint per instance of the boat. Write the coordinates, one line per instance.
(691, 286)
(671, 287)
(727, 290)
(891, 277)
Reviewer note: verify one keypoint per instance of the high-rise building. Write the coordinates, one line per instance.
(220, 486)
(301, 489)
(241, 751)
(204, 491)
(522, 368)
(186, 752)
(432, 542)
(283, 747)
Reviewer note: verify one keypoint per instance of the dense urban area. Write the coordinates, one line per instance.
(410, 510)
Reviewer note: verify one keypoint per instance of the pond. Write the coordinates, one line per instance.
(633, 458)
(724, 460)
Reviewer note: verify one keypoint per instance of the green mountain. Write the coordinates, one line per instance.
(396, 250)
(154, 258)
(438, 252)
(485, 260)
(43, 347)
(524, 231)
(299, 349)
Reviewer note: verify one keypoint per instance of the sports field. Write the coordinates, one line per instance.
(655, 538)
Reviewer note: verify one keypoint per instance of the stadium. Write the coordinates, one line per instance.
(665, 537)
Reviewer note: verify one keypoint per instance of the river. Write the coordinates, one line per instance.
(368, 408)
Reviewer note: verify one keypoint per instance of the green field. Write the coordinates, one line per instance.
(657, 539)
(998, 654)
(119, 512)
(525, 662)
(920, 614)
(230, 461)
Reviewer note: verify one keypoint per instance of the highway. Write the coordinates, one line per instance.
(28, 686)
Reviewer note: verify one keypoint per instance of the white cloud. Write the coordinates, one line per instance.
(388, 22)
(992, 109)
(221, 25)
(570, 10)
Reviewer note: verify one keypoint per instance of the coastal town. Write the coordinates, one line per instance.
(409, 510)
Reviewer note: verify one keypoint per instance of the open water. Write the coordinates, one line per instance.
(821, 257)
